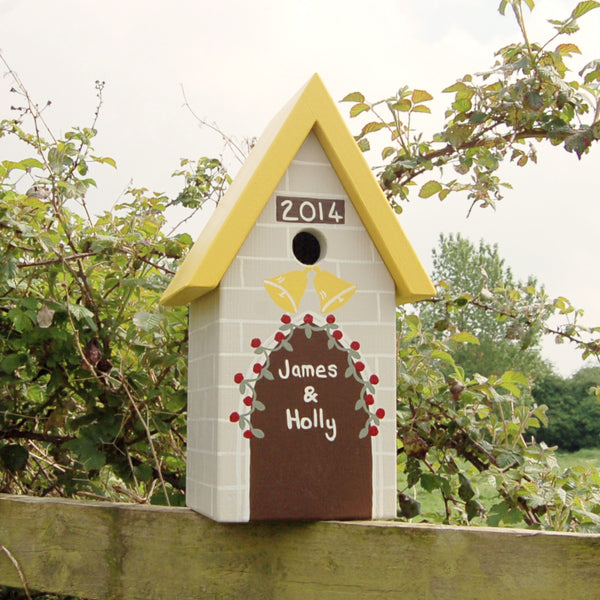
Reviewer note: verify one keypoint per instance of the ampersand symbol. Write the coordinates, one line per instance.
(309, 394)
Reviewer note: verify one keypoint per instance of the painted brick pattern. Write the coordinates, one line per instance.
(223, 323)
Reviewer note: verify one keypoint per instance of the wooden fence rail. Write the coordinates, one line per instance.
(123, 551)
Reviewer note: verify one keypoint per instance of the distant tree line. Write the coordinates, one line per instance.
(573, 410)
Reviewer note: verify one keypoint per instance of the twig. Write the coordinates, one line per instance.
(16, 565)
(238, 153)
(149, 438)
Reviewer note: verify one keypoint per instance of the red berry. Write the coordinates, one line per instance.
(330, 319)
(248, 401)
(380, 413)
(257, 368)
(234, 417)
(374, 379)
(308, 318)
(359, 366)
(249, 435)
(373, 431)
(255, 343)
(337, 334)
(369, 400)
(286, 319)
(355, 345)
(279, 336)
(238, 378)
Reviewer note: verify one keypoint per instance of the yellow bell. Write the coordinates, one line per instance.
(287, 289)
(333, 291)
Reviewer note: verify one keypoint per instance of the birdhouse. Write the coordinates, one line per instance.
(293, 286)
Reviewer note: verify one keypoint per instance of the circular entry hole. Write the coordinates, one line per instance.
(306, 247)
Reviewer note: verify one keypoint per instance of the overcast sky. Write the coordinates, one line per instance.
(239, 62)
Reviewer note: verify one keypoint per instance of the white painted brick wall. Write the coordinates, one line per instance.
(223, 323)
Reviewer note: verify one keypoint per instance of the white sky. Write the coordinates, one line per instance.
(240, 62)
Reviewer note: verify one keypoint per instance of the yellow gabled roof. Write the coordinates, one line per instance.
(311, 109)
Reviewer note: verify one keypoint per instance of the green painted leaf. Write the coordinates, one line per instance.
(360, 404)
(430, 188)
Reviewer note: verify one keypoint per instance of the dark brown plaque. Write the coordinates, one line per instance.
(311, 463)
(310, 210)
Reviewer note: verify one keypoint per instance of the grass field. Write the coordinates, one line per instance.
(431, 502)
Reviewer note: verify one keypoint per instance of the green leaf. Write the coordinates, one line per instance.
(444, 356)
(514, 377)
(11, 362)
(358, 108)
(364, 145)
(14, 457)
(474, 509)
(372, 127)
(584, 7)
(568, 49)
(403, 105)
(456, 87)
(465, 337)
(387, 151)
(147, 321)
(430, 188)
(409, 507)
(353, 97)
(421, 108)
(88, 453)
(478, 117)
(80, 312)
(107, 160)
(465, 489)
(419, 96)
(462, 105)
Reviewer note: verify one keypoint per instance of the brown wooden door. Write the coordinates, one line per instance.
(311, 463)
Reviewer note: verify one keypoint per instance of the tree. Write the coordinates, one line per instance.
(454, 427)
(529, 95)
(92, 369)
(460, 269)
(573, 410)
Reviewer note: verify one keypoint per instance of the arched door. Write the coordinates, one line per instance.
(311, 463)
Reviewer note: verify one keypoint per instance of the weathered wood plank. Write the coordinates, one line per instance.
(122, 551)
